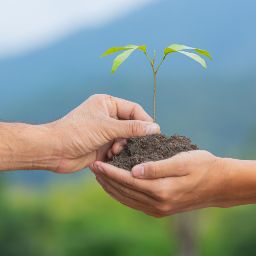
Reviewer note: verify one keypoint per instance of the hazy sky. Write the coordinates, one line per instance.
(29, 24)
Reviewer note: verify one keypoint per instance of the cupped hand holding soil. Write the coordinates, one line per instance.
(151, 148)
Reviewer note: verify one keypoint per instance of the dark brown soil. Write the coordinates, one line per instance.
(151, 148)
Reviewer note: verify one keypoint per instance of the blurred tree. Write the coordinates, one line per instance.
(186, 230)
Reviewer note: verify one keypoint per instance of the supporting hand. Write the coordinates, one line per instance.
(187, 181)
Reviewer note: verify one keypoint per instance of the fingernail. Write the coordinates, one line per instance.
(152, 129)
(138, 171)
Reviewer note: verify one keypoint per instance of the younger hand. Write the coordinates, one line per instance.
(187, 181)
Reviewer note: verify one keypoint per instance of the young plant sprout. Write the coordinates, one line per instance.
(191, 52)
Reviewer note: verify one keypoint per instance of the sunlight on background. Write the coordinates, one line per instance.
(28, 24)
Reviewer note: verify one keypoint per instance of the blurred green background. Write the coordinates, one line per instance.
(49, 63)
(80, 219)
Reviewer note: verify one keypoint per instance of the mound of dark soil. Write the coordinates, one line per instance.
(151, 148)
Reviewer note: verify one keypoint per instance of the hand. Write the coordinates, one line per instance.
(187, 181)
(88, 132)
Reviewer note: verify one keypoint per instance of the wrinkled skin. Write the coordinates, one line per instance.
(96, 128)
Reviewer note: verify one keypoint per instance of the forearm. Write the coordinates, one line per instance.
(24, 146)
(240, 182)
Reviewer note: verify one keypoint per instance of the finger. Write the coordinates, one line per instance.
(93, 168)
(171, 167)
(110, 154)
(127, 192)
(119, 197)
(123, 177)
(102, 153)
(118, 146)
(130, 111)
(132, 128)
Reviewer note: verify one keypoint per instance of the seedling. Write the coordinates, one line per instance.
(191, 52)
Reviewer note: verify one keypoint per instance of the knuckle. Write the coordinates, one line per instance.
(164, 209)
(100, 97)
(154, 170)
(95, 96)
(135, 107)
(135, 128)
(150, 170)
(110, 98)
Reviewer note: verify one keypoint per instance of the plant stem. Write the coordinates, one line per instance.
(154, 70)
(148, 58)
(154, 97)
(160, 63)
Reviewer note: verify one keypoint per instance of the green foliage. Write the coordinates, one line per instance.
(188, 51)
(121, 58)
(127, 51)
(185, 50)
(80, 219)
(114, 50)
(76, 219)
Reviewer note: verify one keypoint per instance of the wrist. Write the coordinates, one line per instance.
(216, 182)
(240, 182)
(28, 147)
(49, 147)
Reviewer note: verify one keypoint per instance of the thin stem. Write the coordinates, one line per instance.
(154, 57)
(160, 63)
(154, 70)
(150, 61)
(154, 97)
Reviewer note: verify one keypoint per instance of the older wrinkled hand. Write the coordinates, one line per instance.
(96, 128)
(187, 181)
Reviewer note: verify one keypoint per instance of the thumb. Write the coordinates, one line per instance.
(171, 167)
(134, 128)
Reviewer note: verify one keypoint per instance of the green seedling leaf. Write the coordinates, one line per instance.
(115, 49)
(186, 50)
(203, 52)
(180, 47)
(120, 59)
(137, 47)
(127, 51)
(195, 57)
(176, 47)
(191, 52)
(124, 48)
